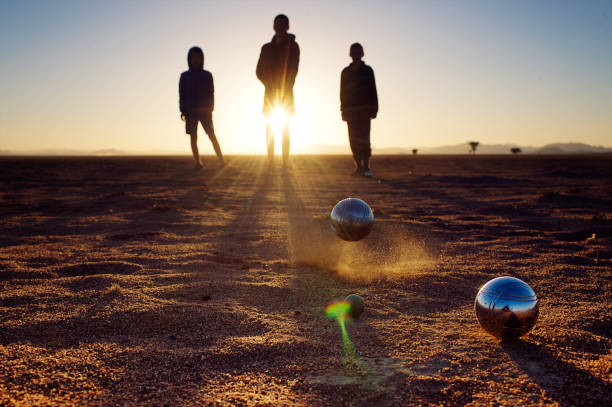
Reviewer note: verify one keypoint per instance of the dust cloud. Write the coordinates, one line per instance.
(389, 251)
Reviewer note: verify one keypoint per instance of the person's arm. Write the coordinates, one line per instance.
(212, 93)
(294, 63)
(182, 97)
(374, 93)
(260, 71)
(342, 89)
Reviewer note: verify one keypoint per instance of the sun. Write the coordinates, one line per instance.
(278, 119)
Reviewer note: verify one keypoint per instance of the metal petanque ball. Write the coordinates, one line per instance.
(357, 305)
(506, 307)
(352, 219)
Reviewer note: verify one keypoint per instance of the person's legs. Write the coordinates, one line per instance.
(191, 128)
(359, 137)
(270, 141)
(194, 150)
(286, 142)
(209, 128)
(366, 165)
(364, 145)
(353, 141)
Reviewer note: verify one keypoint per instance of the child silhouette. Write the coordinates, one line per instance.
(197, 102)
(359, 104)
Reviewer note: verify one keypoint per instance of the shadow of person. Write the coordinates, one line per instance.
(310, 239)
(563, 381)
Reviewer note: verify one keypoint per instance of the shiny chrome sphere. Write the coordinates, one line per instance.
(357, 305)
(352, 219)
(506, 307)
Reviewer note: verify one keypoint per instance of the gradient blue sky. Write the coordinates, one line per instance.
(92, 75)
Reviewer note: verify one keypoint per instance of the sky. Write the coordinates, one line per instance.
(104, 74)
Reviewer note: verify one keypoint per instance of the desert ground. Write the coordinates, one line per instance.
(138, 281)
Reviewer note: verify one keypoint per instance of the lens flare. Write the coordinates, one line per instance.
(340, 311)
(279, 120)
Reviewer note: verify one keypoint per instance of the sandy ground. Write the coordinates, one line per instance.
(138, 281)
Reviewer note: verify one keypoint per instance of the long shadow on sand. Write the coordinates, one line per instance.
(107, 197)
(564, 382)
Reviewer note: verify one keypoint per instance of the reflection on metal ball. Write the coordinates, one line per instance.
(506, 307)
(357, 305)
(352, 219)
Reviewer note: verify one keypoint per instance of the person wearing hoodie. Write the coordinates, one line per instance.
(359, 105)
(197, 102)
(276, 69)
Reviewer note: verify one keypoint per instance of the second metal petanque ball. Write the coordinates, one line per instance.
(506, 307)
(352, 219)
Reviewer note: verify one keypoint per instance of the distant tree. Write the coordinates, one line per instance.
(516, 150)
(414, 151)
(473, 146)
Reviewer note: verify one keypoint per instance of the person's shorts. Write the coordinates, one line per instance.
(192, 120)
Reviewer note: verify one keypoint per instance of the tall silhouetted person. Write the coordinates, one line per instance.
(197, 102)
(276, 69)
(359, 105)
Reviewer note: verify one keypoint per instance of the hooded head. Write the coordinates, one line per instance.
(356, 52)
(195, 59)
(281, 24)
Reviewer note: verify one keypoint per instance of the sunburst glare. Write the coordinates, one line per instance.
(279, 120)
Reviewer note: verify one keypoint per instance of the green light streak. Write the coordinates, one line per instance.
(352, 363)
(340, 312)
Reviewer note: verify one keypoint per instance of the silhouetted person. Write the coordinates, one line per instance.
(359, 104)
(197, 102)
(276, 69)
